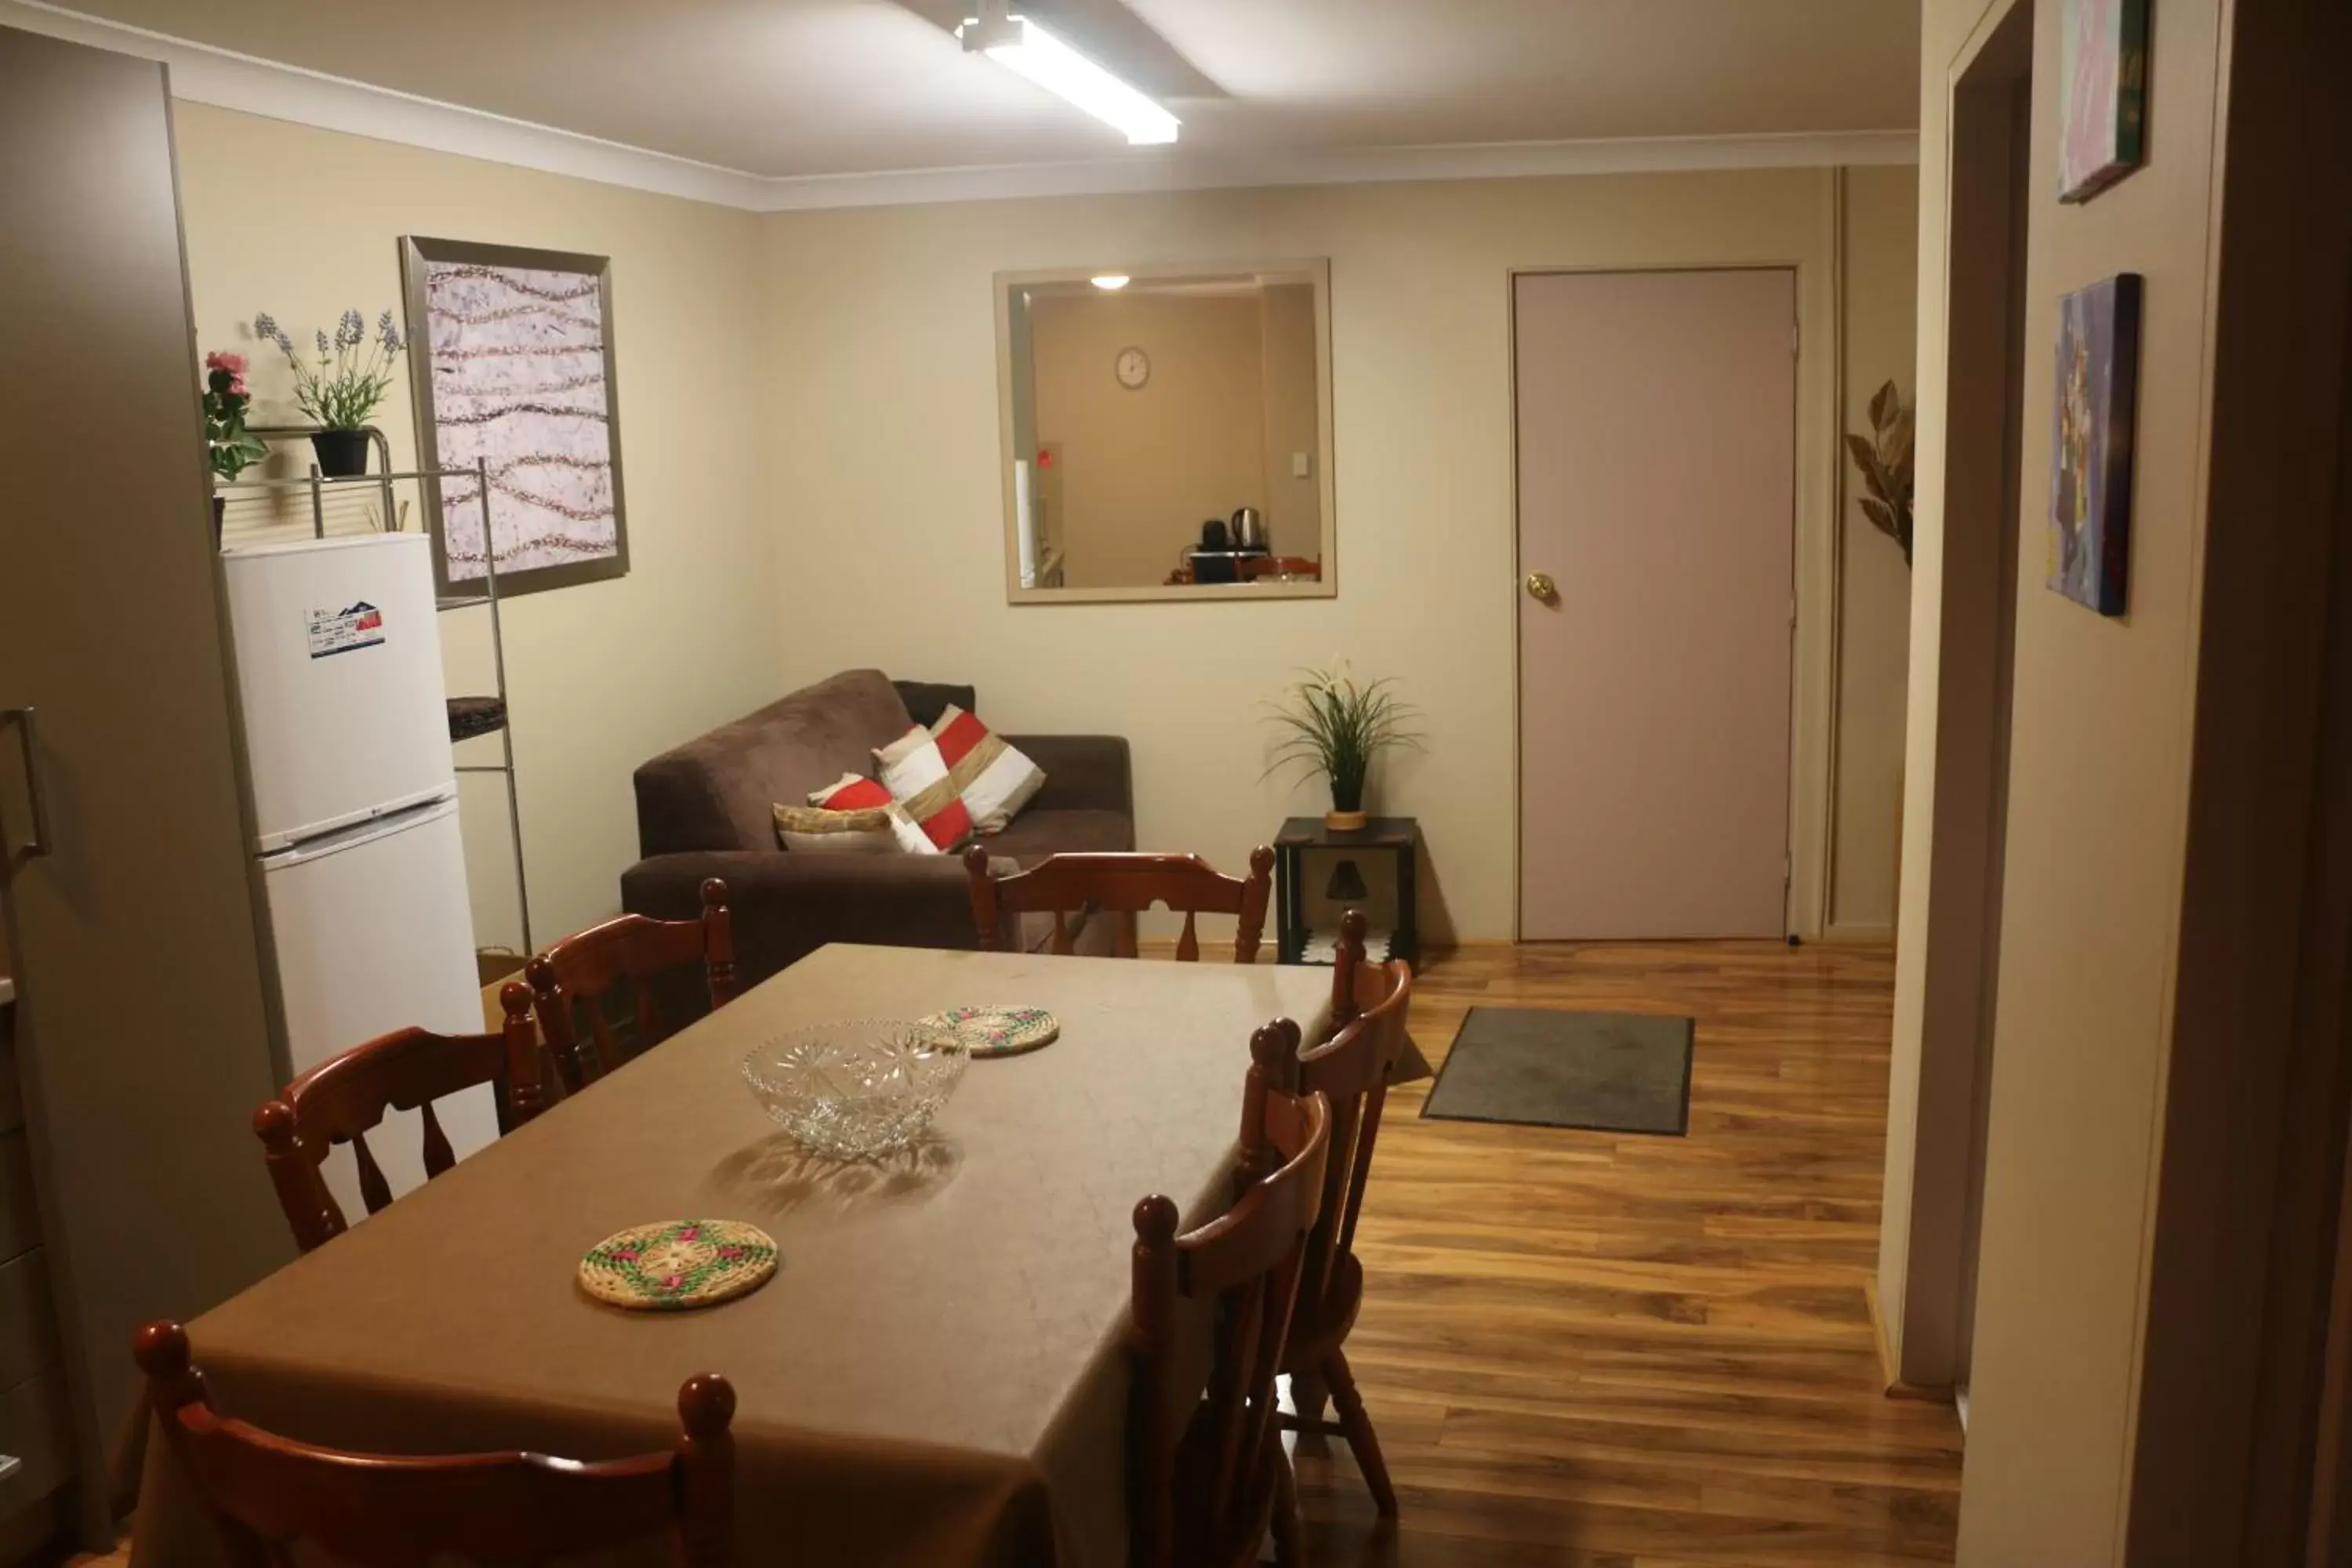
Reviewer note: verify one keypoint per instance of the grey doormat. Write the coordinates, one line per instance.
(1546, 1066)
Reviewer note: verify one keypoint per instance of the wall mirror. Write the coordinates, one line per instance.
(1167, 432)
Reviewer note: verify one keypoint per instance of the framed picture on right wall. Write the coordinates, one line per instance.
(2102, 88)
(2091, 444)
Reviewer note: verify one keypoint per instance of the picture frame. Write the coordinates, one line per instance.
(510, 369)
(2093, 431)
(2103, 94)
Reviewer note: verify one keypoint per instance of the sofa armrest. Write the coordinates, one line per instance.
(785, 906)
(1083, 773)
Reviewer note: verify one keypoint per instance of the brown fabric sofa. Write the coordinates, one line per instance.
(705, 809)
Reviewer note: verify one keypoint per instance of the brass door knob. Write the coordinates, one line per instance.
(1541, 586)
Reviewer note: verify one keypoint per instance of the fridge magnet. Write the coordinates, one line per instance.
(345, 631)
(2103, 86)
(512, 360)
(2091, 449)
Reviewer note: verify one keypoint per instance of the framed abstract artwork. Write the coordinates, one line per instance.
(2091, 446)
(2103, 94)
(511, 358)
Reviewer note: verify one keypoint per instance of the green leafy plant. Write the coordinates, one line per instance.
(1335, 725)
(353, 372)
(1884, 458)
(230, 447)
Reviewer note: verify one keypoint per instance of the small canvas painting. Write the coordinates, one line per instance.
(2091, 449)
(2103, 78)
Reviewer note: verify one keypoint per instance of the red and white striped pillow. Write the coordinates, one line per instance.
(854, 797)
(995, 781)
(916, 776)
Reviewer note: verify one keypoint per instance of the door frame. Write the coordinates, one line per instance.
(1813, 566)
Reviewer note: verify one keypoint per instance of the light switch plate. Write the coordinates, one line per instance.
(1299, 464)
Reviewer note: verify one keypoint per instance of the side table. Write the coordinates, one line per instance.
(1394, 838)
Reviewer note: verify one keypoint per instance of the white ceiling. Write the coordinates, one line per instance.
(799, 88)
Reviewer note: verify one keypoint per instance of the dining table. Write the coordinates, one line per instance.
(937, 1374)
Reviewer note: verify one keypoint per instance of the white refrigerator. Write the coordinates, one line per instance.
(355, 807)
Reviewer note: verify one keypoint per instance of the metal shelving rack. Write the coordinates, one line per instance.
(319, 485)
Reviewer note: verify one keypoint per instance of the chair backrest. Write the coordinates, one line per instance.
(1245, 1265)
(1255, 568)
(1061, 884)
(264, 1491)
(341, 1098)
(1352, 1069)
(1347, 956)
(578, 973)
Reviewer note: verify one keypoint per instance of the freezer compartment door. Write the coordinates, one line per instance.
(339, 667)
(372, 932)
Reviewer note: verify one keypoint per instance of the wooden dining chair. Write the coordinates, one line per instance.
(1125, 884)
(584, 972)
(1304, 568)
(1351, 1070)
(265, 1492)
(342, 1099)
(1207, 1477)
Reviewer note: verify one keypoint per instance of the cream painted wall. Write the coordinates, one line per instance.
(2095, 842)
(882, 331)
(303, 223)
(1140, 469)
(1294, 505)
(1879, 267)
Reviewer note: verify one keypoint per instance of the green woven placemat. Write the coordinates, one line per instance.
(678, 1263)
(999, 1031)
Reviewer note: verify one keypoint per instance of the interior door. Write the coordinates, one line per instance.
(141, 1025)
(1657, 437)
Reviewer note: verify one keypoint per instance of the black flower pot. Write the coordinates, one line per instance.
(1347, 813)
(343, 454)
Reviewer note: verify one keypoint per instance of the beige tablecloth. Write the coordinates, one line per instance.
(934, 1378)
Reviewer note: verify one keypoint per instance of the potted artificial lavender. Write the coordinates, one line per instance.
(353, 372)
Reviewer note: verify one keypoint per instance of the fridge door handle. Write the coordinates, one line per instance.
(25, 721)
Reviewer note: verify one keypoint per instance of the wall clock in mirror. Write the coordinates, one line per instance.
(1133, 367)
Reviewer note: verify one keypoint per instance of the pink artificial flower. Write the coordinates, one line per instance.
(221, 359)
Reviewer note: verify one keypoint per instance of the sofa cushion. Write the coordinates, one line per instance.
(720, 792)
(1036, 833)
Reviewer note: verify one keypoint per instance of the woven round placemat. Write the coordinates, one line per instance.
(999, 1031)
(678, 1263)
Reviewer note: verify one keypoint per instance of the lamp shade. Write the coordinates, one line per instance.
(1347, 883)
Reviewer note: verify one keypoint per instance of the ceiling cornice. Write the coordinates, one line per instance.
(202, 73)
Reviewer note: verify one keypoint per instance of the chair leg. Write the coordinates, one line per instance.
(1288, 1551)
(1310, 1397)
(1361, 1440)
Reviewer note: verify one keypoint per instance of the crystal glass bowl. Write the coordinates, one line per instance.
(859, 1090)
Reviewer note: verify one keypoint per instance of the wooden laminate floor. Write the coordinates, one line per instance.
(1593, 1349)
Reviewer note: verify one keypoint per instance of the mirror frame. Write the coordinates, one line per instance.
(1317, 269)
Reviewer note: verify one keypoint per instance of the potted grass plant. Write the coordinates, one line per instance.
(1335, 725)
(1884, 459)
(343, 386)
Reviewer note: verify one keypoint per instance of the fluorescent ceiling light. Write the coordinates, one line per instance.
(1111, 282)
(1023, 47)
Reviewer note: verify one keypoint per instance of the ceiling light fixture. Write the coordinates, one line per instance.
(1111, 283)
(1020, 46)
